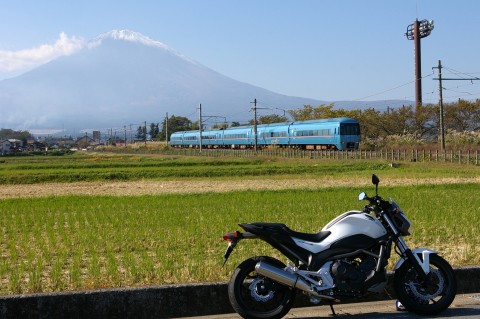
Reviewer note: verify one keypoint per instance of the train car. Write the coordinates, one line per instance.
(336, 134)
(238, 137)
(276, 134)
(185, 139)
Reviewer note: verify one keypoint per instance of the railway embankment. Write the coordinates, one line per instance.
(162, 301)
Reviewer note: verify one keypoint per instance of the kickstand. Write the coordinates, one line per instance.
(333, 311)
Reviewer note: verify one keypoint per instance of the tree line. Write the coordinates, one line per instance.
(401, 126)
(6, 134)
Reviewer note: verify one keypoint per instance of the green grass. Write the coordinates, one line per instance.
(105, 167)
(87, 242)
(28, 170)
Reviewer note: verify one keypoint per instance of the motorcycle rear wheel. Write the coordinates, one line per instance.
(255, 297)
(426, 300)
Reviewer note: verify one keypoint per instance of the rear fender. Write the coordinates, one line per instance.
(233, 238)
(422, 255)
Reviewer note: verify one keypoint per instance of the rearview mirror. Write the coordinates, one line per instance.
(375, 180)
(362, 196)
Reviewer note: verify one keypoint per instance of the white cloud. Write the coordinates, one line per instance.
(29, 58)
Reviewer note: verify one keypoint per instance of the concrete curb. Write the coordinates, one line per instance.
(161, 301)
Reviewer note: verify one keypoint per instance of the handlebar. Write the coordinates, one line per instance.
(376, 203)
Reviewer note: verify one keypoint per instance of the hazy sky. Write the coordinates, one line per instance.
(327, 50)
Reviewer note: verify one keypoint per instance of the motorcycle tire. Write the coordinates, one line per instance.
(255, 297)
(426, 300)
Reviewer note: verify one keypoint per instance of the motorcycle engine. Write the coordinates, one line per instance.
(351, 275)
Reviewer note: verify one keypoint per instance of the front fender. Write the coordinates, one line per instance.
(424, 261)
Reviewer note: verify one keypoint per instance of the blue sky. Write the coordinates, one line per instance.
(328, 50)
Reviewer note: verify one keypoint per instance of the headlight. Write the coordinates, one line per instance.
(404, 226)
(402, 223)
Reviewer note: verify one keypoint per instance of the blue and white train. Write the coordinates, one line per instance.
(335, 134)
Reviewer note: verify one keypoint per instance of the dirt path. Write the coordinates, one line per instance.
(149, 187)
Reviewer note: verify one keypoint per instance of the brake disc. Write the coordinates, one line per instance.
(259, 284)
(421, 293)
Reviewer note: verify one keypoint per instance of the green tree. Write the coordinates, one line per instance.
(154, 131)
(6, 134)
(312, 112)
(274, 118)
(462, 115)
(177, 124)
(141, 133)
(221, 126)
(269, 119)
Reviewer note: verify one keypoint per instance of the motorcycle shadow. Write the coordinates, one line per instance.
(463, 312)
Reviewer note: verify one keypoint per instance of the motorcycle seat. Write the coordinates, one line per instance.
(278, 228)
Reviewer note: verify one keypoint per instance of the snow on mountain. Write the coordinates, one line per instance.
(123, 77)
(132, 36)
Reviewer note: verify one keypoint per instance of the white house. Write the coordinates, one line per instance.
(4, 146)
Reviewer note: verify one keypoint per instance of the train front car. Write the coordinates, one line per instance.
(326, 134)
(349, 137)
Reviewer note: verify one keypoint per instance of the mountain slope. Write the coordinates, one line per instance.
(122, 78)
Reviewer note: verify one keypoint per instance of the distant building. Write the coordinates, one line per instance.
(33, 145)
(16, 144)
(96, 136)
(4, 146)
(84, 141)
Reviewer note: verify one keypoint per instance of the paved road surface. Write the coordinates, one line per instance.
(465, 306)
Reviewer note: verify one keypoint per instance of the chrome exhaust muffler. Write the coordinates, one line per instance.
(286, 278)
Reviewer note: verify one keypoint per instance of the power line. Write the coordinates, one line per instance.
(391, 89)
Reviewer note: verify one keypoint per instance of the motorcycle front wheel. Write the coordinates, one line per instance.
(426, 299)
(255, 297)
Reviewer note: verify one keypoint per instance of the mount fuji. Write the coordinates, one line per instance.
(123, 77)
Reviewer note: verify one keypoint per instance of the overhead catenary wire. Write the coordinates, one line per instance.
(391, 89)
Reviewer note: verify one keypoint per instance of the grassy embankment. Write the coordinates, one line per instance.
(59, 243)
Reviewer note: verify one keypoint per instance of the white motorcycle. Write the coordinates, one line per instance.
(347, 258)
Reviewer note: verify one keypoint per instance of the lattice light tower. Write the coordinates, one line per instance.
(417, 31)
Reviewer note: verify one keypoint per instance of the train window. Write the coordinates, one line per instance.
(323, 132)
(349, 129)
(235, 136)
(279, 134)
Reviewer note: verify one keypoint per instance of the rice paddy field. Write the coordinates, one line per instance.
(97, 220)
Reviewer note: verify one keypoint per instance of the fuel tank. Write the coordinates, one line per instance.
(353, 229)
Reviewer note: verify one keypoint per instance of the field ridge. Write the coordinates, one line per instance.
(155, 187)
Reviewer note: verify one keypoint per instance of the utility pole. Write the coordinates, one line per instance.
(125, 131)
(131, 137)
(255, 122)
(440, 92)
(440, 103)
(145, 133)
(166, 128)
(200, 126)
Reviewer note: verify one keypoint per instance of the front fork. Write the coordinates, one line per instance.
(421, 265)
